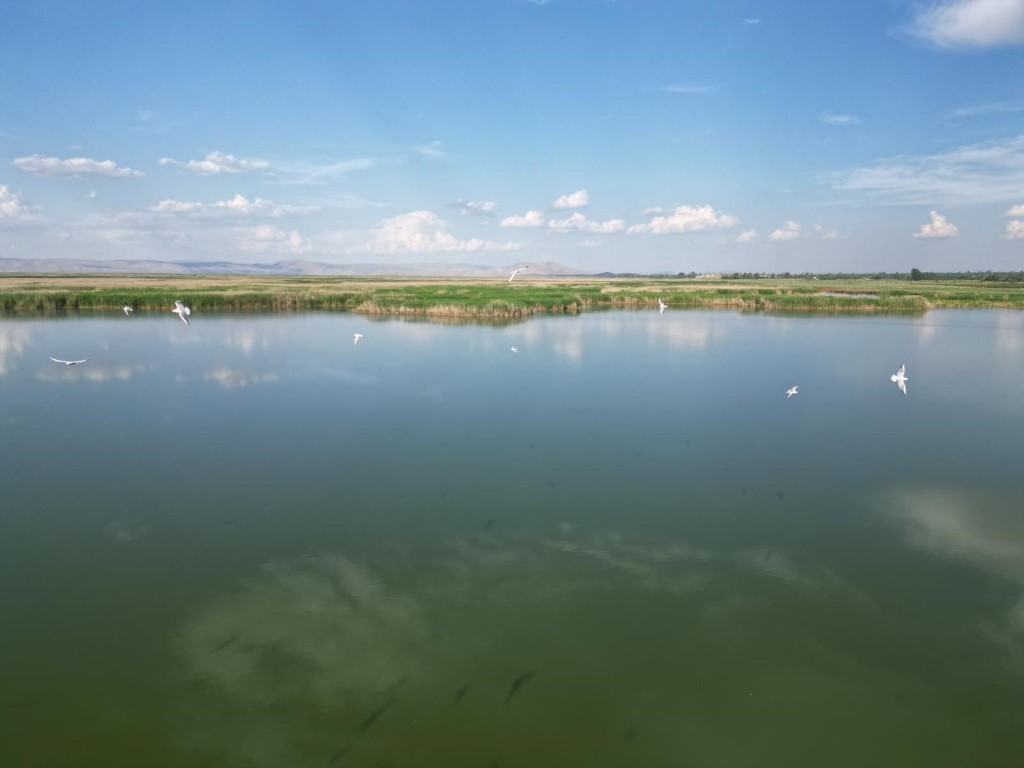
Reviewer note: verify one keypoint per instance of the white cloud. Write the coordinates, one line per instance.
(470, 208)
(686, 218)
(177, 206)
(824, 234)
(655, 211)
(978, 173)
(578, 199)
(751, 22)
(993, 108)
(424, 232)
(318, 173)
(692, 89)
(11, 206)
(972, 23)
(577, 222)
(265, 238)
(1014, 230)
(75, 167)
(830, 118)
(788, 231)
(590, 243)
(528, 219)
(937, 227)
(431, 150)
(747, 236)
(90, 195)
(1017, 210)
(236, 206)
(216, 163)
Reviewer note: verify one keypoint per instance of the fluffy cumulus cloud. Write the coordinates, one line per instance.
(747, 236)
(578, 199)
(1014, 230)
(686, 218)
(528, 219)
(11, 206)
(236, 206)
(216, 163)
(75, 167)
(268, 239)
(1016, 211)
(788, 231)
(424, 232)
(977, 173)
(577, 222)
(470, 208)
(937, 227)
(972, 23)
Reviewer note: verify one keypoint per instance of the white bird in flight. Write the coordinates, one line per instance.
(69, 362)
(356, 337)
(127, 309)
(790, 392)
(900, 377)
(515, 350)
(662, 306)
(514, 272)
(182, 311)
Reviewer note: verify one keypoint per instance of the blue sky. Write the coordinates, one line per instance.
(788, 135)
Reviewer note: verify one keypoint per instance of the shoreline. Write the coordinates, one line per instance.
(494, 299)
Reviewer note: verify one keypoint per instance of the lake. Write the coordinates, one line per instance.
(250, 542)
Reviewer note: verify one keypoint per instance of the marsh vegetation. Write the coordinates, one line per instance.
(474, 298)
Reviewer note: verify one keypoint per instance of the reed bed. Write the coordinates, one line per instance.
(465, 298)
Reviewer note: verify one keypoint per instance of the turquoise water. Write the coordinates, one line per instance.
(249, 542)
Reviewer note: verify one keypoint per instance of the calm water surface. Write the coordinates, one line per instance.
(249, 542)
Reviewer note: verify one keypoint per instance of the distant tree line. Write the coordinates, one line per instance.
(915, 274)
(986, 276)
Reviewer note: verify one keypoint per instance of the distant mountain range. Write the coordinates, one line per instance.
(295, 267)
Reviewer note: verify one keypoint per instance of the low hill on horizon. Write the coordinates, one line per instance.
(294, 267)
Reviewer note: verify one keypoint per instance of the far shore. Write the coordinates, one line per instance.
(496, 298)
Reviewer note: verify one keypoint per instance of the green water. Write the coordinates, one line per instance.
(249, 542)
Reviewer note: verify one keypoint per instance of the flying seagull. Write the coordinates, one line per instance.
(69, 362)
(182, 311)
(514, 272)
(900, 377)
(515, 350)
(356, 337)
(127, 309)
(662, 306)
(791, 392)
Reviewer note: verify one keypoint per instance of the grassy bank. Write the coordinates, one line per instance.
(491, 299)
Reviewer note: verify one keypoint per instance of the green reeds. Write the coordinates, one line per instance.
(455, 298)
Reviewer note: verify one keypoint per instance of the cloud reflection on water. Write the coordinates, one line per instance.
(328, 634)
(14, 338)
(984, 529)
(232, 378)
(93, 371)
